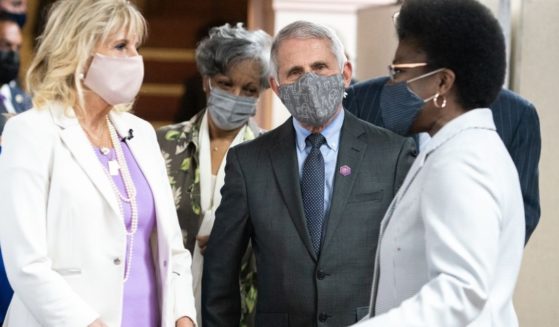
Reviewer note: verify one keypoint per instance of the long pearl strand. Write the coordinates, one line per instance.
(130, 196)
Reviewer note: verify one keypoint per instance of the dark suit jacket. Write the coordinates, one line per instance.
(517, 124)
(262, 203)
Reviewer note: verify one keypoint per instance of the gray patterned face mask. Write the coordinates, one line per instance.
(313, 99)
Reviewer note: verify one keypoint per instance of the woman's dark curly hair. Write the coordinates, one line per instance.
(463, 36)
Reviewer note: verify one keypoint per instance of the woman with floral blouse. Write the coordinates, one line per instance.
(234, 65)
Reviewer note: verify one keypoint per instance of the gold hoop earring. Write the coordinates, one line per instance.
(436, 101)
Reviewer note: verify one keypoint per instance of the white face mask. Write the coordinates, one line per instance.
(115, 79)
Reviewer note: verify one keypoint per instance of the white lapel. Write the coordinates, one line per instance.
(416, 167)
(76, 141)
(410, 177)
(476, 118)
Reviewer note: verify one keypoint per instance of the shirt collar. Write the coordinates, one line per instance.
(481, 118)
(6, 92)
(331, 132)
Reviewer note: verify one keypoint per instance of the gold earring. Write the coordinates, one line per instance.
(436, 101)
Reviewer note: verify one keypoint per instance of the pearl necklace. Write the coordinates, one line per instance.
(130, 196)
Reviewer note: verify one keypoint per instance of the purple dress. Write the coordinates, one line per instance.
(139, 306)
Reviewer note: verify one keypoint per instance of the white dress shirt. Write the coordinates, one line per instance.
(7, 93)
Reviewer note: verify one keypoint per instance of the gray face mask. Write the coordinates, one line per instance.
(229, 111)
(313, 99)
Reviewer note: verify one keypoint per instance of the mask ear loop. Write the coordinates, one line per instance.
(436, 101)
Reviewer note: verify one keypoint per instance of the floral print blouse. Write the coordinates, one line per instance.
(180, 148)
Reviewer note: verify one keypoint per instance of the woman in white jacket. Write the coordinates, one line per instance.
(88, 227)
(451, 242)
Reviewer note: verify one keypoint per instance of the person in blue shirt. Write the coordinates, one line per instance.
(5, 290)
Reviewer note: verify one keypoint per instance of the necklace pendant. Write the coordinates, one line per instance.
(104, 150)
(114, 167)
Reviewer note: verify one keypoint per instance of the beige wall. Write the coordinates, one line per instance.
(535, 73)
(376, 41)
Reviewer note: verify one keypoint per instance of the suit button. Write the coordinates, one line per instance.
(116, 261)
(321, 274)
(322, 317)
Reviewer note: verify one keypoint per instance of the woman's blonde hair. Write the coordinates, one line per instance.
(74, 28)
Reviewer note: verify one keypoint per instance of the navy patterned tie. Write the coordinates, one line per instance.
(312, 188)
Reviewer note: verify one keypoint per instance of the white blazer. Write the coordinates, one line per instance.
(451, 243)
(61, 231)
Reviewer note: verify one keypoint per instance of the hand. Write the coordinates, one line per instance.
(202, 242)
(184, 322)
(97, 323)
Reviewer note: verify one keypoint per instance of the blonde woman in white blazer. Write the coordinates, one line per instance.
(88, 227)
(451, 242)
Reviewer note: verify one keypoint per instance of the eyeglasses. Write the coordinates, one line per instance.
(393, 70)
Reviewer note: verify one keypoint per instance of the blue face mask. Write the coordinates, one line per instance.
(9, 66)
(399, 106)
(20, 18)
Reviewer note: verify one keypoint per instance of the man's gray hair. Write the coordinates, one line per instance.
(306, 30)
(227, 45)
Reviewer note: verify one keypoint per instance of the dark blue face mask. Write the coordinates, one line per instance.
(20, 18)
(9, 66)
(399, 106)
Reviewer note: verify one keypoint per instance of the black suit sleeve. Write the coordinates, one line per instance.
(363, 100)
(525, 151)
(221, 303)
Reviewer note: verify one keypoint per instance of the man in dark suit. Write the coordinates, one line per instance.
(309, 195)
(13, 99)
(517, 124)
